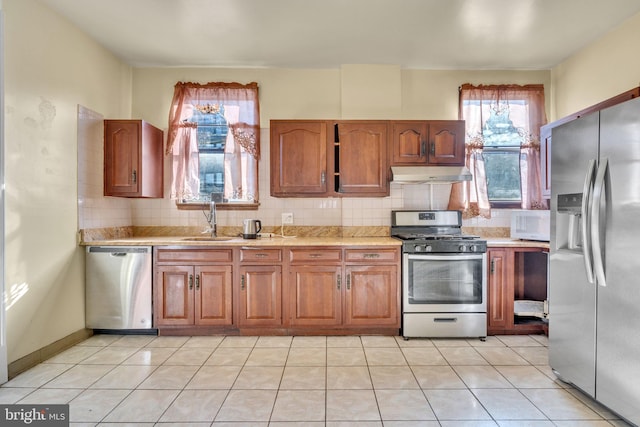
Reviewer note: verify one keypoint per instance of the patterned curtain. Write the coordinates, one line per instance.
(471, 197)
(243, 139)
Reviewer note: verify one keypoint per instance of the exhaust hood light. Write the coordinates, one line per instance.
(430, 174)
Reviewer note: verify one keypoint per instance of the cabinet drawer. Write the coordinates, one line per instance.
(374, 254)
(260, 255)
(192, 256)
(315, 255)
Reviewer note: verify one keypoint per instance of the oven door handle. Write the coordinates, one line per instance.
(455, 257)
(445, 319)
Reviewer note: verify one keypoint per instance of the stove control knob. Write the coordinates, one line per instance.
(417, 248)
(462, 248)
(427, 248)
(472, 248)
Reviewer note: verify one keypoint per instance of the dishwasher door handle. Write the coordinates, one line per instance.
(119, 250)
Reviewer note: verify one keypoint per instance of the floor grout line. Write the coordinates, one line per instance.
(378, 356)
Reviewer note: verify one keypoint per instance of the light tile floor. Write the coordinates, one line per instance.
(311, 381)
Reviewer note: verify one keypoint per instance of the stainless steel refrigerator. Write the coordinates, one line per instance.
(594, 303)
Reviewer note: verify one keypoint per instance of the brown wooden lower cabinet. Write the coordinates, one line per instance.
(192, 295)
(277, 290)
(260, 296)
(362, 291)
(192, 288)
(371, 295)
(515, 274)
(315, 295)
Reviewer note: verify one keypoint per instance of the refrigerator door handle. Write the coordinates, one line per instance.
(598, 220)
(587, 191)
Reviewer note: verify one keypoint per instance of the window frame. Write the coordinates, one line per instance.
(504, 204)
(246, 131)
(472, 197)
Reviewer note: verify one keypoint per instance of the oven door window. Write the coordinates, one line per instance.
(442, 279)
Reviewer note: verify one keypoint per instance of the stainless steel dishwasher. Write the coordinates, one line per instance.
(118, 287)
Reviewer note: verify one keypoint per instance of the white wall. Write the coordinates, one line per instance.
(50, 68)
(603, 69)
(322, 94)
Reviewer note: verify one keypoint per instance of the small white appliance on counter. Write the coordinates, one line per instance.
(530, 224)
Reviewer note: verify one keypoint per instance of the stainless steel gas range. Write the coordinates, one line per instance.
(444, 285)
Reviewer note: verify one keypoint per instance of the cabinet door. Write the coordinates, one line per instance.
(409, 144)
(299, 158)
(151, 179)
(213, 295)
(500, 289)
(121, 157)
(260, 296)
(362, 158)
(315, 295)
(372, 295)
(173, 303)
(133, 159)
(446, 142)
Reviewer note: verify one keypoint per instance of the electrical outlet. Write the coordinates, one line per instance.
(287, 218)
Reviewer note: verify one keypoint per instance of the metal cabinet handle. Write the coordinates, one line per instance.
(348, 282)
(371, 256)
(493, 261)
(261, 255)
(339, 281)
(315, 255)
(197, 282)
(423, 148)
(134, 176)
(242, 282)
(323, 177)
(432, 149)
(190, 281)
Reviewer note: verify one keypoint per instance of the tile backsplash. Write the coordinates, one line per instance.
(97, 211)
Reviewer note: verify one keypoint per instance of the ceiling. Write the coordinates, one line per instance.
(419, 34)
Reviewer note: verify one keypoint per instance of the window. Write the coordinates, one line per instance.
(212, 131)
(502, 148)
(214, 143)
(501, 155)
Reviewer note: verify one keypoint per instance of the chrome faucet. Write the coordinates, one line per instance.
(211, 218)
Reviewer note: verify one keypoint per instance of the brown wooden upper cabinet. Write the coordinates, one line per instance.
(427, 142)
(361, 158)
(133, 159)
(300, 158)
(321, 158)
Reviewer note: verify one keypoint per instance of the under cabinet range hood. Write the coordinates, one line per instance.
(430, 174)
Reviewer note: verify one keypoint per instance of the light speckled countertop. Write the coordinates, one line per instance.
(237, 241)
(307, 236)
(506, 242)
(291, 241)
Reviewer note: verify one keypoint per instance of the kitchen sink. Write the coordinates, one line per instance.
(208, 239)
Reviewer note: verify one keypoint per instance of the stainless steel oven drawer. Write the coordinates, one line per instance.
(444, 325)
